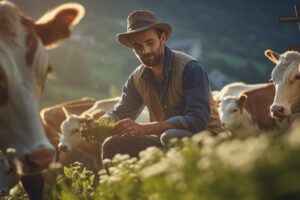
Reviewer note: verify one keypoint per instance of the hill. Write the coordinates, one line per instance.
(233, 36)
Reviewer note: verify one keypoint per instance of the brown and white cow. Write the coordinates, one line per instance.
(23, 69)
(84, 152)
(286, 78)
(248, 113)
(53, 116)
(66, 119)
(70, 127)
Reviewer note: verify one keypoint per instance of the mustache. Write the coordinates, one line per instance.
(148, 55)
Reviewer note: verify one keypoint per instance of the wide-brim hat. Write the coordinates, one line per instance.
(139, 21)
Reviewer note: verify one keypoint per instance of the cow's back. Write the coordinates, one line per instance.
(258, 104)
(234, 89)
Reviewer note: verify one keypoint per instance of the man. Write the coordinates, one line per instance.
(172, 85)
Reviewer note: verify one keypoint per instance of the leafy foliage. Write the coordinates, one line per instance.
(97, 130)
(258, 167)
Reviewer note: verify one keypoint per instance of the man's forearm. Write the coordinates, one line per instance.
(156, 128)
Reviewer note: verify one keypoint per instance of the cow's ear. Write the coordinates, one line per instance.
(272, 55)
(242, 100)
(66, 112)
(55, 25)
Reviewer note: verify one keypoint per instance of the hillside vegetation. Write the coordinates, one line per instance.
(233, 34)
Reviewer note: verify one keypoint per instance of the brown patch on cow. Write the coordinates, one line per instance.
(258, 103)
(31, 40)
(57, 28)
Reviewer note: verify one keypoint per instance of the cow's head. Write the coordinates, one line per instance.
(286, 78)
(70, 129)
(232, 112)
(23, 69)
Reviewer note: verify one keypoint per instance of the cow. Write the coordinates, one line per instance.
(68, 117)
(234, 89)
(70, 127)
(249, 112)
(23, 69)
(53, 116)
(286, 78)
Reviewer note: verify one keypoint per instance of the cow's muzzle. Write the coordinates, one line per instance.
(37, 161)
(277, 111)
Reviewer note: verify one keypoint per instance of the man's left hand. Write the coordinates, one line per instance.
(129, 127)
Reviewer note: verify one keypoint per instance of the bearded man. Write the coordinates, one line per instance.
(171, 84)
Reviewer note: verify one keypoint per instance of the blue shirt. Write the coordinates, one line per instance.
(196, 110)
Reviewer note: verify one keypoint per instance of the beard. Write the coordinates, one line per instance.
(153, 59)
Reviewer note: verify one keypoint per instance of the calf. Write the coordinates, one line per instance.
(53, 116)
(286, 78)
(249, 112)
(23, 69)
(70, 128)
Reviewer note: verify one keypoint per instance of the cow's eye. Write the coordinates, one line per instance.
(49, 69)
(75, 131)
(297, 76)
(3, 88)
(234, 110)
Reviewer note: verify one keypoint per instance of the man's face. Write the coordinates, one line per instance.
(148, 47)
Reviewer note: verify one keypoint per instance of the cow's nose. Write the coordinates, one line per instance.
(37, 160)
(278, 111)
(63, 148)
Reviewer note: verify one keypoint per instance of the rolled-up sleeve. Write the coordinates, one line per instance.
(197, 109)
(130, 104)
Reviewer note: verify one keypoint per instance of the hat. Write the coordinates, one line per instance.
(139, 21)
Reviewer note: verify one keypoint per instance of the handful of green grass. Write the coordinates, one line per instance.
(97, 130)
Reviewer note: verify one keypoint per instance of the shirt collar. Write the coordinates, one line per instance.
(167, 65)
(168, 62)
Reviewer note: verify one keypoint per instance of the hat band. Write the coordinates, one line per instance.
(139, 25)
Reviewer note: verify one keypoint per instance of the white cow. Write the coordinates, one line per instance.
(286, 78)
(23, 69)
(70, 128)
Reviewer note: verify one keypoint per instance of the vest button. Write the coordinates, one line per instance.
(165, 107)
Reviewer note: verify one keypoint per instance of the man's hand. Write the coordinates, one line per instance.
(129, 127)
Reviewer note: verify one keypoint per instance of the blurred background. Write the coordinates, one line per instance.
(228, 37)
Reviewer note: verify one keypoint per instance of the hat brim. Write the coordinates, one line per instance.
(123, 38)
